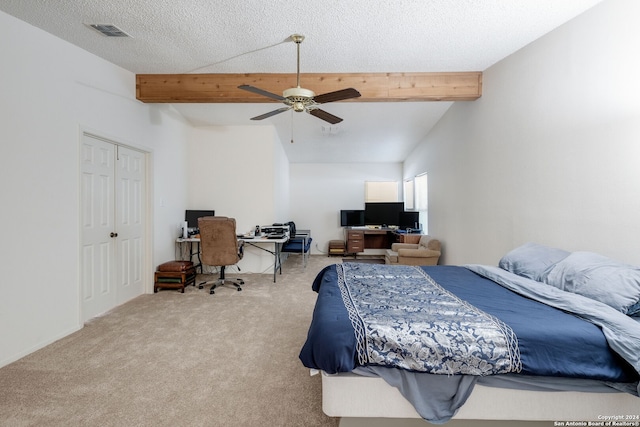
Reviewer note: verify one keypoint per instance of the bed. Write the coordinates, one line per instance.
(479, 342)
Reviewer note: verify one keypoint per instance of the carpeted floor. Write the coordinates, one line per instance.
(172, 359)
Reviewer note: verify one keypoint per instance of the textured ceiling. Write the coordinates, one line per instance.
(230, 36)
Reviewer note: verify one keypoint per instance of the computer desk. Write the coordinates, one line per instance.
(256, 242)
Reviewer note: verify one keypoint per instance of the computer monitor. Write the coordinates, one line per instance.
(409, 219)
(351, 218)
(382, 213)
(191, 216)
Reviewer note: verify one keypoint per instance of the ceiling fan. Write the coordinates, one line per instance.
(300, 99)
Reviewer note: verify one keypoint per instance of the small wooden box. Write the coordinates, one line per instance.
(174, 275)
(336, 247)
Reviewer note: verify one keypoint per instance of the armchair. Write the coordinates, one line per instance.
(219, 247)
(425, 252)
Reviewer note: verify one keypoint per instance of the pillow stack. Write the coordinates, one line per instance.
(585, 273)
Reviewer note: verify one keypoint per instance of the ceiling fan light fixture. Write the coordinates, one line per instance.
(298, 92)
(300, 99)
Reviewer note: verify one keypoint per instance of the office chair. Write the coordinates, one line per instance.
(219, 247)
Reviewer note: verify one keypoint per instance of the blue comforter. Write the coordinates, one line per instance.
(563, 348)
(550, 342)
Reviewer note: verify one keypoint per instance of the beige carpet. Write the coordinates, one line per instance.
(172, 359)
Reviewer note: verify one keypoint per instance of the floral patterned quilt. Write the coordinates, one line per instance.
(403, 318)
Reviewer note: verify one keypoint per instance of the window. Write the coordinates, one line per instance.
(381, 191)
(422, 200)
(408, 195)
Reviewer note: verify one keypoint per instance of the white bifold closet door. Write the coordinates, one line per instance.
(113, 225)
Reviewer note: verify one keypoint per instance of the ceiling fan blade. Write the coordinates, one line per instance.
(338, 95)
(261, 92)
(271, 113)
(327, 117)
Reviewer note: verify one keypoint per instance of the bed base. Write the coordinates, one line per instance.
(354, 396)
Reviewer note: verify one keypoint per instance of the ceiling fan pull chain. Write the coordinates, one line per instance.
(292, 126)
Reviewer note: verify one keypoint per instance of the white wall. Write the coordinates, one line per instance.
(240, 172)
(281, 181)
(549, 153)
(320, 190)
(51, 91)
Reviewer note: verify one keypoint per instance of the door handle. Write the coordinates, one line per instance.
(113, 234)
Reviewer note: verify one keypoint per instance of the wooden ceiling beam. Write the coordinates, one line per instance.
(374, 87)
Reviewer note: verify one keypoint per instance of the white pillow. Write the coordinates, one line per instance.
(531, 260)
(597, 277)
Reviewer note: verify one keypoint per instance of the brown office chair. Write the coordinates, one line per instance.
(219, 247)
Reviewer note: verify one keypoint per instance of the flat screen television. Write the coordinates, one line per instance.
(382, 213)
(351, 218)
(409, 219)
(191, 216)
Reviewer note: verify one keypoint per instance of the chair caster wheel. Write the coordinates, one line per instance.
(239, 289)
(211, 292)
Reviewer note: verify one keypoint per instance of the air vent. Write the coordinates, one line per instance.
(109, 30)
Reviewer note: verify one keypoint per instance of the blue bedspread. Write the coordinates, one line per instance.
(550, 341)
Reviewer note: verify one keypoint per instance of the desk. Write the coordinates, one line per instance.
(359, 239)
(256, 242)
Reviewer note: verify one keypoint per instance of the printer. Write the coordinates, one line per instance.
(279, 230)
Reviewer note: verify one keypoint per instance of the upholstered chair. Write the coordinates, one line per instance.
(426, 251)
(219, 247)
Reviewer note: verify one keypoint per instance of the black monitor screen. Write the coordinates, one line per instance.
(192, 217)
(409, 219)
(382, 213)
(351, 218)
